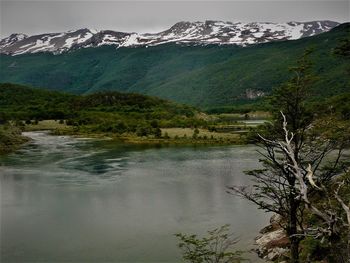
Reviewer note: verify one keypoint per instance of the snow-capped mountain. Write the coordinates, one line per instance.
(197, 33)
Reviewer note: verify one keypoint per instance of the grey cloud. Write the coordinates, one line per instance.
(34, 17)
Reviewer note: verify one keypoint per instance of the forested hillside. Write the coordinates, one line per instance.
(204, 76)
(102, 111)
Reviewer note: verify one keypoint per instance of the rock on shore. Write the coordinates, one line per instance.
(273, 243)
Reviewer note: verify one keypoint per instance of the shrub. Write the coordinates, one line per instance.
(217, 246)
(166, 135)
(142, 131)
(195, 133)
(154, 124)
(157, 133)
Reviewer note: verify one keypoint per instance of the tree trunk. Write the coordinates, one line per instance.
(293, 231)
(294, 250)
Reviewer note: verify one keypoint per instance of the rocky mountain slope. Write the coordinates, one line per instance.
(193, 33)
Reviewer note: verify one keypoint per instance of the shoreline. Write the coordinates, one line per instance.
(133, 139)
(19, 140)
(11, 140)
(169, 136)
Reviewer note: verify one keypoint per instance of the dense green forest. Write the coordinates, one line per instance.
(206, 76)
(104, 111)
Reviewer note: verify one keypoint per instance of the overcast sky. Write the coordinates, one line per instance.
(34, 17)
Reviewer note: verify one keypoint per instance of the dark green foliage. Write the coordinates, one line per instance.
(207, 76)
(335, 247)
(106, 112)
(143, 131)
(157, 133)
(10, 138)
(337, 105)
(292, 98)
(166, 136)
(17, 101)
(3, 118)
(313, 248)
(217, 247)
(154, 124)
(343, 49)
(241, 107)
(195, 133)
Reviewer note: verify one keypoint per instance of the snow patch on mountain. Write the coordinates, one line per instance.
(196, 33)
(131, 41)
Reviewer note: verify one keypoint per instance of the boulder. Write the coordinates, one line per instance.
(273, 242)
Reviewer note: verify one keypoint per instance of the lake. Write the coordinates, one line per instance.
(67, 199)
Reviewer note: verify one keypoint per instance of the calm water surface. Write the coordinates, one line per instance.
(65, 199)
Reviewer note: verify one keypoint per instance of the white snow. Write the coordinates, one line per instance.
(58, 35)
(235, 39)
(213, 40)
(295, 32)
(20, 37)
(215, 30)
(27, 45)
(39, 45)
(84, 38)
(258, 34)
(70, 41)
(93, 31)
(110, 40)
(249, 40)
(320, 25)
(131, 40)
(221, 23)
(169, 36)
(192, 32)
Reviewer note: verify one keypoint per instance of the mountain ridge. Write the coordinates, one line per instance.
(203, 76)
(184, 32)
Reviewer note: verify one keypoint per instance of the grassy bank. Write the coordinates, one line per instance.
(166, 135)
(10, 138)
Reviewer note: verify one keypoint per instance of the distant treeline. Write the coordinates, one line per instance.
(103, 111)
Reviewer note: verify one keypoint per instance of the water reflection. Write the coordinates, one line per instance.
(80, 200)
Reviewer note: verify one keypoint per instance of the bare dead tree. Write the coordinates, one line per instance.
(286, 183)
(335, 220)
(296, 148)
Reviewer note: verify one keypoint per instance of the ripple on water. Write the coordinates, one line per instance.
(63, 160)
